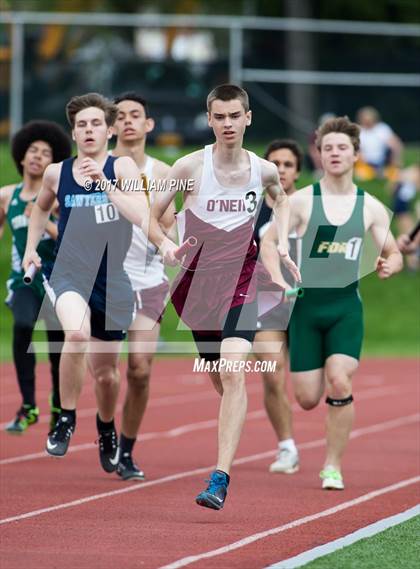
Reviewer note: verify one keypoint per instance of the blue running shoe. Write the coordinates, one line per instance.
(215, 494)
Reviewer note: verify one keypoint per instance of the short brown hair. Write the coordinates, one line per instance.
(228, 92)
(291, 145)
(81, 102)
(339, 124)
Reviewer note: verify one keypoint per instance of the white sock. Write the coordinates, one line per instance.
(331, 467)
(288, 444)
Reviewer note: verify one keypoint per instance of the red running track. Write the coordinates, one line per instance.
(68, 513)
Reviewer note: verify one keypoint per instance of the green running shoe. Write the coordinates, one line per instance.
(331, 479)
(27, 415)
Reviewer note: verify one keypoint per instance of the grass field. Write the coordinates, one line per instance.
(395, 548)
(392, 326)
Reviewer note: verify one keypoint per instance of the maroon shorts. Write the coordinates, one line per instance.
(204, 299)
(151, 302)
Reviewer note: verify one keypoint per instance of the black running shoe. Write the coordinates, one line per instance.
(128, 470)
(108, 450)
(59, 438)
(215, 494)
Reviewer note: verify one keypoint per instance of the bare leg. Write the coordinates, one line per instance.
(308, 387)
(103, 366)
(234, 401)
(74, 315)
(276, 401)
(339, 370)
(216, 381)
(142, 346)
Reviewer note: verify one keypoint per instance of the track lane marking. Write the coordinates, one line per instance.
(183, 562)
(394, 423)
(188, 428)
(332, 546)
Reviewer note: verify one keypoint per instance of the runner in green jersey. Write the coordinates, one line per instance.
(326, 328)
(33, 149)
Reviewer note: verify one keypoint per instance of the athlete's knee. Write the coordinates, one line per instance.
(274, 382)
(338, 385)
(78, 338)
(307, 401)
(306, 398)
(138, 375)
(232, 379)
(107, 375)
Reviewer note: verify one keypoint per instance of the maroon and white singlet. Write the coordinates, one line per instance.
(221, 272)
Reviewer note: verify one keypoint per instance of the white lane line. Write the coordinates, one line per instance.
(296, 523)
(251, 458)
(155, 402)
(252, 387)
(183, 429)
(367, 531)
(171, 433)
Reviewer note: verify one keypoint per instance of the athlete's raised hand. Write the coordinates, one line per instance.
(91, 169)
(29, 258)
(290, 266)
(168, 249)
(383, 268)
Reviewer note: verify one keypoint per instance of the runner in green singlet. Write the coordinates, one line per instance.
(326, 327)
(34, 147)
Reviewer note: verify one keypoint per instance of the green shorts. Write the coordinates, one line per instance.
(321, 326)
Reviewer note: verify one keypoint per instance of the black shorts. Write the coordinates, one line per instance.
(276, 319)
(208, 342)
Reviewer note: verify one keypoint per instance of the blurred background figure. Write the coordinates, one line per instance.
(313, 157)
(409, 243)
(380, 147)
(403, 204)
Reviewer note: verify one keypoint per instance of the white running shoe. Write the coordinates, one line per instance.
(287, 462)
(332, 479)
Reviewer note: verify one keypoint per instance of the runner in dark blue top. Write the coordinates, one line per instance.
(91, 261)
(91, 292)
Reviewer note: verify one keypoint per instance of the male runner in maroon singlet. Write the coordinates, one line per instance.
(217, 295)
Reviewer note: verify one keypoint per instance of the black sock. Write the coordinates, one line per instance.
(102, 425)
(54, 339)
(226, 474)
(70, 414)
(126, 446)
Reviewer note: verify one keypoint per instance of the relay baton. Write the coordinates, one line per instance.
(29, 276)
(190, 242)
(294, 292)
(413, 233)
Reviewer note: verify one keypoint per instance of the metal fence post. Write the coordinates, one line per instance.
(235, 54)
(16, 79)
